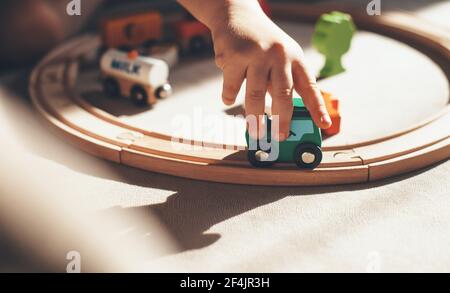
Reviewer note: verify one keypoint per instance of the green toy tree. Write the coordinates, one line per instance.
(333, 37)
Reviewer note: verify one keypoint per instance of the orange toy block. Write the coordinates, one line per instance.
(332, 104)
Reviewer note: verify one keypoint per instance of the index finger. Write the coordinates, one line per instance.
(305, 84)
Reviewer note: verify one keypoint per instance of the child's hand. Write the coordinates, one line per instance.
(248, 45)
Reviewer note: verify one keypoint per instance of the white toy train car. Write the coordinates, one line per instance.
(143, 79)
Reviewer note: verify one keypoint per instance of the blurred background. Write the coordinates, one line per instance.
(29, 28)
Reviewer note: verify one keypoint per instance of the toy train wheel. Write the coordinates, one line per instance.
(164, 91)
(111, 87)
(259, 158)
(139, 96)
(307, 156)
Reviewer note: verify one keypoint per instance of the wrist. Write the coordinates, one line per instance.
(225, 12)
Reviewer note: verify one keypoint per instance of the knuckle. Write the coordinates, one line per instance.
(309, 87)
(322, 108)
(313, 86)
(318, 109)
(256, 95)
(278, 50)
(283, 93)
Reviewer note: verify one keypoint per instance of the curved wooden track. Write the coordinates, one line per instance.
(104, 135)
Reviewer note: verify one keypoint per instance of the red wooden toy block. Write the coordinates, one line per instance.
(332, 104)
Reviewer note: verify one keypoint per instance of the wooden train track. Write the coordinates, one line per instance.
(104, 135)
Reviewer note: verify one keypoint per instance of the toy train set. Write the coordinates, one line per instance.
(303, 146)
(107, 136)
(143, 30)
(136, 55)
(144, 79)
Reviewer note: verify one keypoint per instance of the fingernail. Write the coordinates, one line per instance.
(227, 101)
(282, 136)
(325, 119)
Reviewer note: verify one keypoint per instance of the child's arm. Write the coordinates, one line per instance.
(248, 45)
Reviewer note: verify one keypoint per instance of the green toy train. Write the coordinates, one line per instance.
(303, 146)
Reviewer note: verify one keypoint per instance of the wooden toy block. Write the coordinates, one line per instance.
(332, 37)
(332, 104)
(131, 31)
